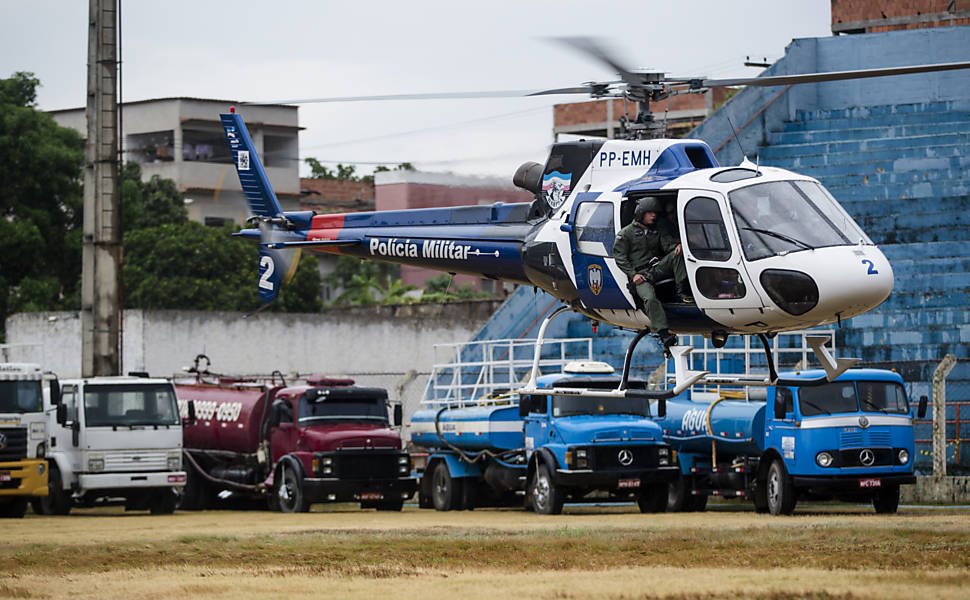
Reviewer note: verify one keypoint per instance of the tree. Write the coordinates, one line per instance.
(190, 266)
(40, 203)
(363, 282)
(148, 204)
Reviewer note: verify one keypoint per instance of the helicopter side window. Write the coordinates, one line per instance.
(706, 235)
(720, 284)
(593, 228)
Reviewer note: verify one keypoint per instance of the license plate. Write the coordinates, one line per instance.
(5, 476)
(628, 483)
(372, 496)
(870, 483)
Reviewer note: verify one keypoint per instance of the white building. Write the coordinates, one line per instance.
(182, 139)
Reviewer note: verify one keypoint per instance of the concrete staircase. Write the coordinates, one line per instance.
(903, 172)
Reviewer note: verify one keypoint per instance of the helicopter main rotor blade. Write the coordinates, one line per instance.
(830, 76)
(591, 47)
(420, 96)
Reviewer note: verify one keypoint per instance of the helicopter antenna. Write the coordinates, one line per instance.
(734, 130)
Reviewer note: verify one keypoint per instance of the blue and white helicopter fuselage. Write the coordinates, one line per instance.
(765, 249)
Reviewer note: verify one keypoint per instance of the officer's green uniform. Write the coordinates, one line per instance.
(633, 249)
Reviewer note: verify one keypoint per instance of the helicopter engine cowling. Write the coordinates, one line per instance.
(528, 177)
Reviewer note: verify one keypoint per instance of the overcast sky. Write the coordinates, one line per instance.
(254, 51)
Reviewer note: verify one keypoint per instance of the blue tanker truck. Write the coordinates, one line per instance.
(567, 446)
(805, 437)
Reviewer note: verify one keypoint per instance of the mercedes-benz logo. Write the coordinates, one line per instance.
(867, 457)
(625, 457)
(3, 441)
(863, 421)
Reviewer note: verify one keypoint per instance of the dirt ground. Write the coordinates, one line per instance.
(588, 552)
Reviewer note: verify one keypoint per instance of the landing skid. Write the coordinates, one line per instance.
(684, 376)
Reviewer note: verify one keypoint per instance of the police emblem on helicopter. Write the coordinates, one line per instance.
(595, 279)
(555, 188)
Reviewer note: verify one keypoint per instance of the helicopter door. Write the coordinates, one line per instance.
(717, 275)
(598, 279)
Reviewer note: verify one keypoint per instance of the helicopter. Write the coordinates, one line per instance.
(766, 249)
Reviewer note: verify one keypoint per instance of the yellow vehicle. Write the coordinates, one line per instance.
(23, 435)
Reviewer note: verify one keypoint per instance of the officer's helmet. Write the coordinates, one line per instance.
(645, 205)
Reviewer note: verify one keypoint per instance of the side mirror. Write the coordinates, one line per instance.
(779, 407)
(398, 415)
(661, 408)
(921, 410)
(191, 418)
(55, 392)
(61, 414)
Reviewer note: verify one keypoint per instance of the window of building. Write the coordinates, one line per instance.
(205, 146)
(145, 148)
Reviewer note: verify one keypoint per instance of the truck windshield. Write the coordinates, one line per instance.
(130, 404)
(364, 409)
(20, 397)
(787, 216)
(843, 397)
(567, 406)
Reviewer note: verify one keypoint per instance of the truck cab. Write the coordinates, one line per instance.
(114, 437)
(579, 444)
(336, 444)
(23, 435)
(851, 438)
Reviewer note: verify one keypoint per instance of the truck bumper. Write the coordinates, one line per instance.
(611, 479)
(26, 477)
(853, 483)
(349, 490)
(105, 481)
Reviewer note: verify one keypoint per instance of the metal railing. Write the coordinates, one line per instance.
(484, 372)
(746, 356)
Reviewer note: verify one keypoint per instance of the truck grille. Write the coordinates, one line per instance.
(607, 458)
(852, 458)
(135, 461)
(15, 444)
(366, 465)
(874, 436)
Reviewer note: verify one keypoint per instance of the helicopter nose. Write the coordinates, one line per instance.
(866, 283)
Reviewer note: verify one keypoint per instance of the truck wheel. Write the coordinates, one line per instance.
(163, 502)
(761, 496)
(678, 495)
(290, 491)
(653, 499)
(15, 508)
(57, 501)
(446, 492)
(886, 501)
(547, 499)
(781, 493)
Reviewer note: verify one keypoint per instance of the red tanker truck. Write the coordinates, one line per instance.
(326, 441)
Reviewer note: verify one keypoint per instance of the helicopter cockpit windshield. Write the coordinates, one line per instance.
(780, 217)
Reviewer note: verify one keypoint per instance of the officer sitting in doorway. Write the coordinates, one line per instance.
(647, 252)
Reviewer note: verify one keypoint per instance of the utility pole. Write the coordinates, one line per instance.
(101, 258)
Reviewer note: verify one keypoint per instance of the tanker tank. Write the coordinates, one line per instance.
(737, 425)
(228, 417)
(472, 428)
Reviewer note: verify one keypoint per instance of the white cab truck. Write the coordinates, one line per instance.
(114, 437)
(23, 434)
